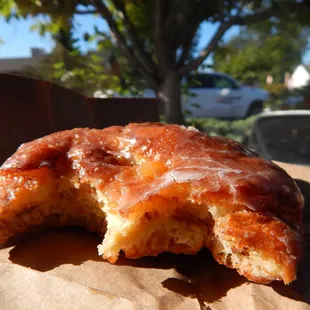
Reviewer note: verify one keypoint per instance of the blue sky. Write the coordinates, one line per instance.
(18, 39)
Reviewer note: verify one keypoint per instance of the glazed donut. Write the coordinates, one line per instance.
(151, 188)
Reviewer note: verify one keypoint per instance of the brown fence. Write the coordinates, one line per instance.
(31, 108)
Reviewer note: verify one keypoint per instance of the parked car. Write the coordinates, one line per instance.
(282, 136)
(292, 102)
(217, 95)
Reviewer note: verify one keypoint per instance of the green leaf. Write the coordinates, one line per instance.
(96, 58)
(86, 36)
(195, 105)
(58, 65)
(105, 44)
(6, 8)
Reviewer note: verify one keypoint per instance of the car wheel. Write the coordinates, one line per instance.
(255, 108)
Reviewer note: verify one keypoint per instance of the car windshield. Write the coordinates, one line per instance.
(210, 80)
(287, 139)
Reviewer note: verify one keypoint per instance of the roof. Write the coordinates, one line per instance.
(20, 63)
(284, 113)
(17, 64)
(300, 77)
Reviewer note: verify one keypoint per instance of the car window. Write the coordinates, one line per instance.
(221, 82)
(200, 81)
(287, 139)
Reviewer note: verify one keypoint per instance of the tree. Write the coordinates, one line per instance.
(263, 49)
(83, 73)
(156, 36)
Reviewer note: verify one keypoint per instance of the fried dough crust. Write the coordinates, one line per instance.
(150, 188)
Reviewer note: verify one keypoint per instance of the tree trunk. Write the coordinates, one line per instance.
(169, 96)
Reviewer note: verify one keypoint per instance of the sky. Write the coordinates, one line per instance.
(16, 38)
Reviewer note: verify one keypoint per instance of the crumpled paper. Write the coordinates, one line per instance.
(60, 269)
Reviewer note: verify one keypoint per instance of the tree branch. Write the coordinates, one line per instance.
(194, 19)
(185, 51)
(106, 14)
(210, 47)
(85, 12)
(189, 36)
(159, 42)
(276, 10)
(253, 18)
(132, 35)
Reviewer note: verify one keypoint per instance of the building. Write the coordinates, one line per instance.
(299, 78)
(15, 65)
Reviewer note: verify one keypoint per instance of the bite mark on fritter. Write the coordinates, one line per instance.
(151, 188)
